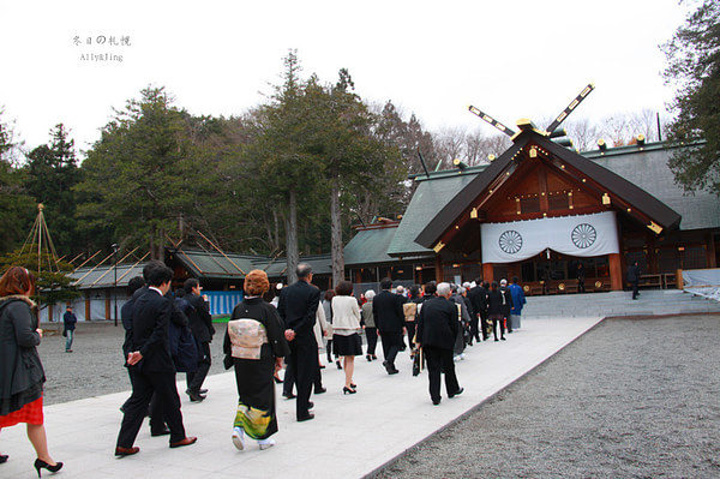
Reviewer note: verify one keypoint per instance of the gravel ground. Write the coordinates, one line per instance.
(632, 398)
(95, 367)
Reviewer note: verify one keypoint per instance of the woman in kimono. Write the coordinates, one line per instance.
(255, 345)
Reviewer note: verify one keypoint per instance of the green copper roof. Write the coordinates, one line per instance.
(370, 246)
(430, 197)
(647, 168)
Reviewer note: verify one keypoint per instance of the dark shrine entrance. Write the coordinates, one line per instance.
(557, 273)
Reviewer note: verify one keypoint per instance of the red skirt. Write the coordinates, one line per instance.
(31, 413)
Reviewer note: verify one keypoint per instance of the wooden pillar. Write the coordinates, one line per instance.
(488, 273)
(616, 276)
(87, 307)
(439, 275)
(710, 251)
(107, 306)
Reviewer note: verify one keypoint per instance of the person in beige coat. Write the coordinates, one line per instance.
(346, 331)
(321, 329)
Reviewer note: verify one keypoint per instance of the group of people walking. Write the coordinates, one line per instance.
(167, 334)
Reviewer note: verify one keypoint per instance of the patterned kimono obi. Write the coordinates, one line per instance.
(247, 337)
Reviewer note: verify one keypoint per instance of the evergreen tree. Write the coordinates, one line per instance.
(16, 207)
(51, 173)
(140, 177)
(694, 67)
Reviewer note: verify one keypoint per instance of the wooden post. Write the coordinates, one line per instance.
(710, 252)
(439, 275)
(679, 279)
(616, 275)
(107, 305)
(488, 273)
(87, 307)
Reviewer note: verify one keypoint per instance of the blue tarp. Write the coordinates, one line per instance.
(223, 302)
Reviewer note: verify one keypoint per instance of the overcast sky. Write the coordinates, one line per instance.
(512, 59)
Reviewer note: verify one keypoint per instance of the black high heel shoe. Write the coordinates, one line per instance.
(347, 390)
(368, 357)
(337, 363)
(277, 380)
(3, 458)
(40, 464)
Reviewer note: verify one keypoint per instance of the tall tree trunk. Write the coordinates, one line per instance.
(153, 250)
(336, 248)
(276, 238)
(293, 257)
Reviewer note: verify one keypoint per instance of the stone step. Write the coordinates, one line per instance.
(619, 303)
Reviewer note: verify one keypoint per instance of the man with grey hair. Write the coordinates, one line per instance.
(437, 329)
(297, 307)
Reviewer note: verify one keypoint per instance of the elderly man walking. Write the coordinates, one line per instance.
(437, 329)
(298, 306)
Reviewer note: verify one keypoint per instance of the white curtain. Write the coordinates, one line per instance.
(582, 235)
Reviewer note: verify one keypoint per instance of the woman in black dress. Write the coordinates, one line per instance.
(255, 345)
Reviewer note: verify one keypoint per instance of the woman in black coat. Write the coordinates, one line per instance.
(255, 345)
(21, 372)
(496, 306)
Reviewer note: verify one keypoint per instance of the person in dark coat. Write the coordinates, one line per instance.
(21, 372)
(507, 305)
(136, 288)
(154, 367)
(580, 275)
(478, 300)
(202, 328)
(495, 310)
(298, 308)
(69, 321)
(437, 330)
(390, 322)
(255, 345)
(633, 277)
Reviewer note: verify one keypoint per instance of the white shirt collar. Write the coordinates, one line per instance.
(156, 289)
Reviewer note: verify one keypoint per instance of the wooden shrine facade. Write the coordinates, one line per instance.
(537, 180)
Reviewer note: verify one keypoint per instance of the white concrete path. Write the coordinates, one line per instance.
(350, 436)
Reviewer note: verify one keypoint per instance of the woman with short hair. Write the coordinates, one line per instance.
(255, 345)
(21, 372)
(346, 331)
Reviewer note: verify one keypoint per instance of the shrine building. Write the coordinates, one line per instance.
(537, 212)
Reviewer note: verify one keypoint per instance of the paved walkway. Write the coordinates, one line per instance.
(351, 436)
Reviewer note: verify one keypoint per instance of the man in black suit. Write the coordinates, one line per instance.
(390, 322)
(478, 300)
(154, 368)
(297, 307)
(437, 330)
(203, 331)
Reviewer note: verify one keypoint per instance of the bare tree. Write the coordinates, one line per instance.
(645, 123)
(583, 133)
(450, 144)
(479, 147)
(616, 129)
